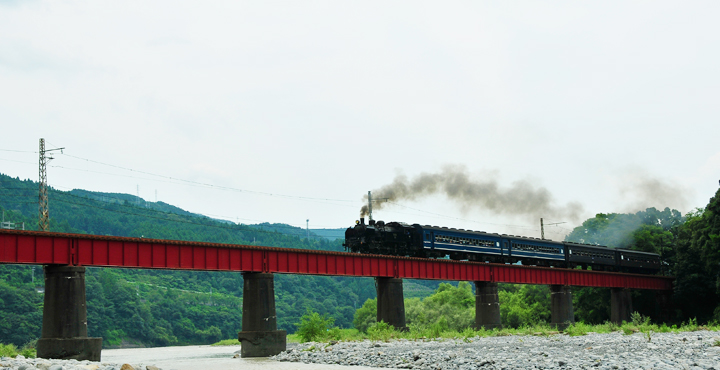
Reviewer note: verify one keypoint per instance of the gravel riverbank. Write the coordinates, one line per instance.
(689, 350)
(22, 363)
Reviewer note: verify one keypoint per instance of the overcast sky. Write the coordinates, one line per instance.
(609, 105)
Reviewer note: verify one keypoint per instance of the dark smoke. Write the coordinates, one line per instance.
(641, 191)
(520, 199)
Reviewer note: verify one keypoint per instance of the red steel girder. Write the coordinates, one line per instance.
(33, 247)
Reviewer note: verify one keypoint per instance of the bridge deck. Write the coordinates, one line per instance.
(33, 247)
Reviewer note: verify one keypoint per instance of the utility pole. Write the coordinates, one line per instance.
(307, 228)
(44, 220)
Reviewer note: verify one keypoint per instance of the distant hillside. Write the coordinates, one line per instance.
(330, 234)
(120, 198)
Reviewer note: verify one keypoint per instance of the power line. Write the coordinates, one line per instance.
(12, 160)
(190, 214)
(232, 228)
(130, 206)
(17, 151)
(211, 185)
(200, 185)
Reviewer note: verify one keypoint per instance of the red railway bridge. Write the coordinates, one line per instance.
(64, 333)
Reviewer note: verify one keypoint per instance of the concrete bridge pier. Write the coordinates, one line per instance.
(259, 336)
(64, 327)
(390, 302)
(561, 306)
(620, 305)
(487, 305)
(663, 306)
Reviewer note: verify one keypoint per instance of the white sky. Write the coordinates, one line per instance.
(328, 100)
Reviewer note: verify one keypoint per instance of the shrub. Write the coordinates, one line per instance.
(381, 331)
(638, 319)
(690, 326)
(314, 327)
(8, 350)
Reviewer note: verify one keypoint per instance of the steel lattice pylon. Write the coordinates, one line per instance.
(44, 220)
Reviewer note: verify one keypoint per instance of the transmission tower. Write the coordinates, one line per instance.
(44, 221)
(43, 202)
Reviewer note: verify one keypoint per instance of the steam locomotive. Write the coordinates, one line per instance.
(401, 239)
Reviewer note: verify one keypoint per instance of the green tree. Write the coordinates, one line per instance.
(697, 285)
(522, 305)
(366, 315)
(591, 305)
(450, 307)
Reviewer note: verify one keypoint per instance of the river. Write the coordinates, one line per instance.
(206, 357)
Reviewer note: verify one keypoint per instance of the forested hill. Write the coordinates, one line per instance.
(161, 307)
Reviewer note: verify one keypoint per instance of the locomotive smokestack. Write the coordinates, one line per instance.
(362, 220)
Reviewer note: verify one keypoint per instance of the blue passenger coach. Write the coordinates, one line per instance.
(478, 245)
(461, 244)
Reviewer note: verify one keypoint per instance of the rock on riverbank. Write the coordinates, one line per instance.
(22, 363)
(690, 350)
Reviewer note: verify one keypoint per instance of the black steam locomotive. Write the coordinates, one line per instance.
(401, 239)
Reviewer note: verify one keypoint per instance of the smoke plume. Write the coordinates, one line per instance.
(640, 191)
(520, 199)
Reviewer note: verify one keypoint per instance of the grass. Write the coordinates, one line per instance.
(227, 342)
(10, 350)
(384, 332)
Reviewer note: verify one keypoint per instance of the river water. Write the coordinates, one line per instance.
(206, 357)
